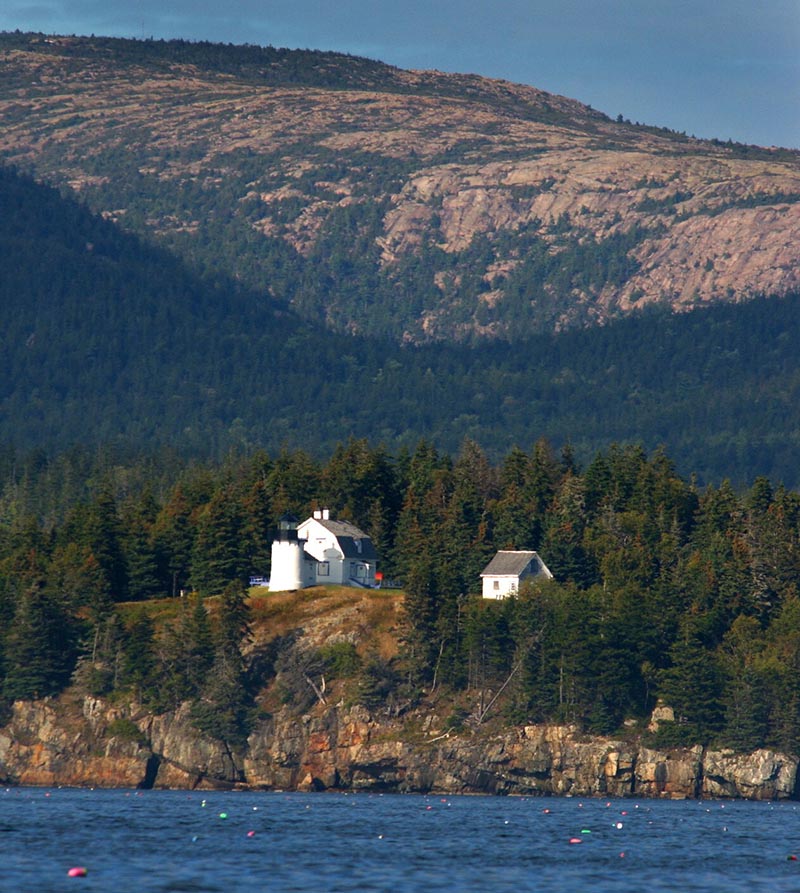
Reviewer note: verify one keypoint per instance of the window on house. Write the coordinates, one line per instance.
(496, 584)
(323, 569)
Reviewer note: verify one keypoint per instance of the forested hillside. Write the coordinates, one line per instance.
(661, 590)
(109, 341)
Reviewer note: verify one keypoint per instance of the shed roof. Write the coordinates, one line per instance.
(512, 564)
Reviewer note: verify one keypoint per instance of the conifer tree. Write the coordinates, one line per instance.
(293, 483)
(511, 512)
(101, 535)
(781, 670)
(187, 652)
(224, 709)
(692, 686)
(563, 544)
(173, 533)
(139, 667)
(256, 510)
(217, 556)
(40, 647)
(141, 559)
(541, 485)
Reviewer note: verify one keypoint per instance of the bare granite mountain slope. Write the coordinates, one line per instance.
(414, 205)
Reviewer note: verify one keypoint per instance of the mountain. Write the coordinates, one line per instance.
(408, 206)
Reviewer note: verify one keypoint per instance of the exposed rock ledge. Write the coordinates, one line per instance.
(72, 743)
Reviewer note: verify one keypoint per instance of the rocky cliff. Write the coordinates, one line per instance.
(89, 742)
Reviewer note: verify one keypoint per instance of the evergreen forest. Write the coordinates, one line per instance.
(662, 589)
(109, 341)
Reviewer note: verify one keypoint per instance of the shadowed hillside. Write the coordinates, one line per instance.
(109, 340)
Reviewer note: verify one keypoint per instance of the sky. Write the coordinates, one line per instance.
(710, 68)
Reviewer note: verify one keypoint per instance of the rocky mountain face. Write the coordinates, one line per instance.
(414, 205)
(93, 743)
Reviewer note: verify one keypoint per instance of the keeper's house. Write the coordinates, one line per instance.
(504, 573)
(320, 551)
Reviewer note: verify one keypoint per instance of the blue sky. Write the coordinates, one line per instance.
(712, 68)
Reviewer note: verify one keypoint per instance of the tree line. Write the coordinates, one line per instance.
(662, 589)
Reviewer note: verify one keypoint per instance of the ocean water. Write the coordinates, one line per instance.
(229, 842)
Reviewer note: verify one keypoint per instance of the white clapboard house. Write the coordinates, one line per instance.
(319, 551)
(503, 575)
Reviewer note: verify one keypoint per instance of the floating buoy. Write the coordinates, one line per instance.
(546, 811)
(251, 833)
(223, 815)
(78, 871)
(575, 840)
(791, 858)
(618, 826)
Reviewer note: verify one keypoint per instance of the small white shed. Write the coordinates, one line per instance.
(503, 574)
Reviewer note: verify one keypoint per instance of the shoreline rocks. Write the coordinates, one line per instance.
(91, 743)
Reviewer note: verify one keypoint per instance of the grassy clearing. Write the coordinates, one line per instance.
(369, 616)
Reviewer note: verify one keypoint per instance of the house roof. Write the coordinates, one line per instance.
(512, 564)
(353, 542)
(342, 528)
(350, 547)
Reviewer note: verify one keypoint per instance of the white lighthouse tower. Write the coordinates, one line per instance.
(287, 557)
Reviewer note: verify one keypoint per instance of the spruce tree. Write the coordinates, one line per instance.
(40, 647)
(140, 553)
(224, 708)
(693, 686)
(104, 531)
(217, 556)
